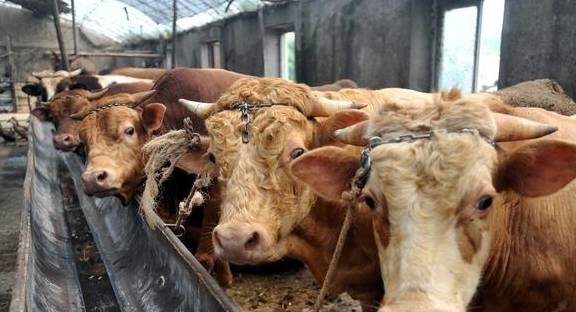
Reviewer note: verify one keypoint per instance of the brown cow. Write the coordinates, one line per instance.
(122, 168)
(136, 72)
(115, 162)
(69, 102)
(266, 213)
(453, 210)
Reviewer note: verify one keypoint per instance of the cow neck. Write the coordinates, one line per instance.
(313, 242)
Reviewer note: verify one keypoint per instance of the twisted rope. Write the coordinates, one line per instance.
(351, 199)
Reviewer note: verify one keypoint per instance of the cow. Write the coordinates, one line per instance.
(114, 136)
(471, 202)
(86, 66)
(266, 213)
(56, 82)
(69, 102)
(337, 85)
(136, 72)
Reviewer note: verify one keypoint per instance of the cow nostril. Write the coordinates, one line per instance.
(102, 176)
(252, 241)
(67, 139)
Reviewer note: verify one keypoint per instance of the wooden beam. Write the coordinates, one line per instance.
(174, 18)
(74, 31)
(56, 17)
(120, 54)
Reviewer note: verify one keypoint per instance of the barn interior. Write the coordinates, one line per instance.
(422, 45)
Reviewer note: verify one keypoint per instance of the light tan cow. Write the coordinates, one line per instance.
(266, 213)
(453, 212)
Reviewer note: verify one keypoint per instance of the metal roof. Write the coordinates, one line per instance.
(130, 20)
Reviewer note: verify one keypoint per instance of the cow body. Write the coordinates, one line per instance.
(205, 85)
(531, 264)
(136, 72)
(337, 85)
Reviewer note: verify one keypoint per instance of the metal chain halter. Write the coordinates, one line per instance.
(98, 109)
(245, 109)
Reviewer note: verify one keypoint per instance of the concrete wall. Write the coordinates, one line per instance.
(539, 41)
(378, 43)
(33, 36)
(366, 40)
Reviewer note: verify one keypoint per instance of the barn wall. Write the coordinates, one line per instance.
(31, 38)
(378, 43)
(538, 41)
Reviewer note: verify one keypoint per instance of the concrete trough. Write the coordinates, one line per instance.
(148, 269)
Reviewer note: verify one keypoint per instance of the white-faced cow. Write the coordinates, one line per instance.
(465, 200)
(51, 83)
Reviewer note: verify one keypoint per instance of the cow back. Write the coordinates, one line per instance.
(203, 85)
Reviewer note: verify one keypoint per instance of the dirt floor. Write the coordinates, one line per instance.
(284, 287)
(12, 172)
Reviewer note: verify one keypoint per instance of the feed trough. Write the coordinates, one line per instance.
(141, 269)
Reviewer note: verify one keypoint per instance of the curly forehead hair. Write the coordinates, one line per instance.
(449, 111)
(256, 91)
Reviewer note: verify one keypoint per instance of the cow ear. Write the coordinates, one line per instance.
(340, 120)
(194, 162)
(33, 89)
(153, 115)
(539, 168)
(327, 170)
(42, 113)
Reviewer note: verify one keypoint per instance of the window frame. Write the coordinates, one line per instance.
(441, 8)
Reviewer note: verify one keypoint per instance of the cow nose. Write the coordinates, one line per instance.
(64, 141)
(240, 243)
(96, 181)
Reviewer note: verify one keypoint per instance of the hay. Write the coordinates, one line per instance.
(161, 154)
(542, 93)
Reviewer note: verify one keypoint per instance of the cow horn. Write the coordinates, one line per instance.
(79, 115)
(512, 128)
(142, 96)
(96, 95)
(326, 107)
(353, 134)
(75, 72)
(42, 74)
(199, 108)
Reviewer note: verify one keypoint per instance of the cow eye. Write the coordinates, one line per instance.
(297, 152)
(129, 131)
(369, 201)
(484, 202)
(211, 157)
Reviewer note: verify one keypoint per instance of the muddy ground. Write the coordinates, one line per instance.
(12, 172)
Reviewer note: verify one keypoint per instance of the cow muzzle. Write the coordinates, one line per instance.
(98, 183)
(66, 142)
(241, 243)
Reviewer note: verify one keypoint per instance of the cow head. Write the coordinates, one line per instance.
(49, 81)
(261, 202)
(58, 110)
(432, 197)
(113, 131)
